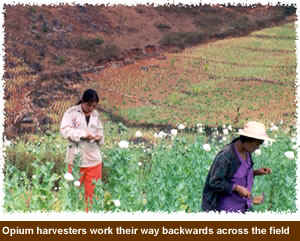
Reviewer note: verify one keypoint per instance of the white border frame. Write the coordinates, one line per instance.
(141, 216)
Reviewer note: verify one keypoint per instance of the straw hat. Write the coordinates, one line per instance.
(255, 130)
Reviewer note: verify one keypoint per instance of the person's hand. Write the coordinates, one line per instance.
(263, 171)
(97, 137)
(242, 191)
(88, 137)
(258, 199)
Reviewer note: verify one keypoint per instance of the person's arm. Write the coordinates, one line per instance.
(262, 171)
(99, 134)
(242, 191)
(218, 181)
(96, 130)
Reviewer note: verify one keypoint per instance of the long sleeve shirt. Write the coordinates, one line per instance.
(220, 179)
(233, 202)
(74, 127)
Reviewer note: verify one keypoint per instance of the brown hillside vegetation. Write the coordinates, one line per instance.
(56, 38)
(49, 53)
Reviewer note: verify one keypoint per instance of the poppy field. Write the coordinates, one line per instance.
(222, 82)
(163, 172)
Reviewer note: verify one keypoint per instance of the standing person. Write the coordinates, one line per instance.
(229, 181)
(81, 125)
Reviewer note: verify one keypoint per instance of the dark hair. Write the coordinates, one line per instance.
(89, 95)
(244, 139)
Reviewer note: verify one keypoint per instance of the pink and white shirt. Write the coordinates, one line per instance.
(74, 127)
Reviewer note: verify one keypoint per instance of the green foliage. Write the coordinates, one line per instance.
(175, 98)
(175, 177)
(47, 148)
(42, 196)
(60, 60)
(72, 197)
(279, 187)
(124, 178)
(168, 176)
(16, 185)
(122, 128)
(35, 194)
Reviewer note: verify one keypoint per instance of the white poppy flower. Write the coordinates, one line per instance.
(257, 152)
(225, 132)
(224, 138)
(199, 125)
(290, 155)
(138, 134)
(273, 127)
(140, 164)
(268, 143)
(117, 203)
(293, 139)
(69, 177)
(34, 177)
(230, 127)
(206, 147)
(77, 183)
(181, 127)
(162, 134)
(200, 130)
(123, 144)
(174, 132)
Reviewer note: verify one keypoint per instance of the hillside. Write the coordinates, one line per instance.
(48, 53)
(71, 37)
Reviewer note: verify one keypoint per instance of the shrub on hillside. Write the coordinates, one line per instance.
(182, 39)
(162, 26)
(111, 51)
(289, 10)
(60, 60)
(173, 39)
(89, 44)
(241, 24)
(192, 38)
(105, 53)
